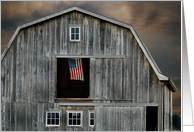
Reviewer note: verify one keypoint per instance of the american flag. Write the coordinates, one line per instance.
(76, 70)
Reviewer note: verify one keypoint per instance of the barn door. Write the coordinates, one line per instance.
(151, 118)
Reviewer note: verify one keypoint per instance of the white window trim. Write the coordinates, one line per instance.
(70, 33)
(89, 117)
(52, 112)
(73, 111)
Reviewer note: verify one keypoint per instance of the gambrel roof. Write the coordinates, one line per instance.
(159, 74)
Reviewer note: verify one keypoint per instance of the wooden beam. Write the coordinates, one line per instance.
(90, 56)
(108, 104)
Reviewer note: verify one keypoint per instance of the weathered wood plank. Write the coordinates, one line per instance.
(134, 90)
(138, 75)
(152, 86)
(8, 77)
(46, 107)
(113, 39)
(18, 75)
(141, 86)
(118, 79)
(80, 22)
(34, 117)
(129, 120)
(65, 34)
(103, 33)
(13, 117)
(95, 50)
(40, 117)
(122, 119)
(21, 117)
(160, 107)
(98, 88)
(90, 37)
(34, 65)
(51, 60)
(22, 50)
(25, 60)
(39, 88)
(92, 78)
(133, 118)
(109, 79)
(129, 65)
(108, 38)
(170, 111)
(125, 119)
(28, 65)
(32, 69)
(7, 116)
(104, 78)
(85, 35)
(29, 117)
(118, 41)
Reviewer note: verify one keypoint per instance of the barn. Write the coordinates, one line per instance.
(119, 86)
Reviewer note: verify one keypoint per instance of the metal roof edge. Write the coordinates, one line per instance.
(140, 42)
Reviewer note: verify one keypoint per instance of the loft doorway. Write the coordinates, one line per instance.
(67, 88)
(151, 118)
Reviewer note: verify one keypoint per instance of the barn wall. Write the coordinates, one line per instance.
(32, 117)
(29, 67)
(30, 64)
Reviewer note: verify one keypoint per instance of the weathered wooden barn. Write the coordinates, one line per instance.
(123, 90)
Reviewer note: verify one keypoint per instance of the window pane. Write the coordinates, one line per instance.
(78, 122)
(57, 121)
(48, 122)
(77, 30)
(57, 115)
(74, 121)
(70, 122)
(53, 122)
(78, 115)
(74, 115)
(72, 37)
(72, 30)
(70, 115)
(91, 115)
(53, 115)
(48, 115)
(91, 122)
(77, 36)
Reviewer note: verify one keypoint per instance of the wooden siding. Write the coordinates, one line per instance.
(28, 78)
(120, 118)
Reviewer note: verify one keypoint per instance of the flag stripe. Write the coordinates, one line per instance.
(77, 73)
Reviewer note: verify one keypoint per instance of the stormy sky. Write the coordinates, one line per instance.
(157, 23)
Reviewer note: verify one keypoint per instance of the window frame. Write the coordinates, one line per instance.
(74, 26)
(81, 118)
(91, 111)
(55, 118)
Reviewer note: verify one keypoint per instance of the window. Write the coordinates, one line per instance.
(75, 33)
(67, 88)
(52, 118)
(91, 119)
(74, 118)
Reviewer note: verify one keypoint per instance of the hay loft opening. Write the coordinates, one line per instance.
(67, 88)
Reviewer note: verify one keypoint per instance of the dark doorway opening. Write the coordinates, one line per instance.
(152, 118)
(67, 88)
